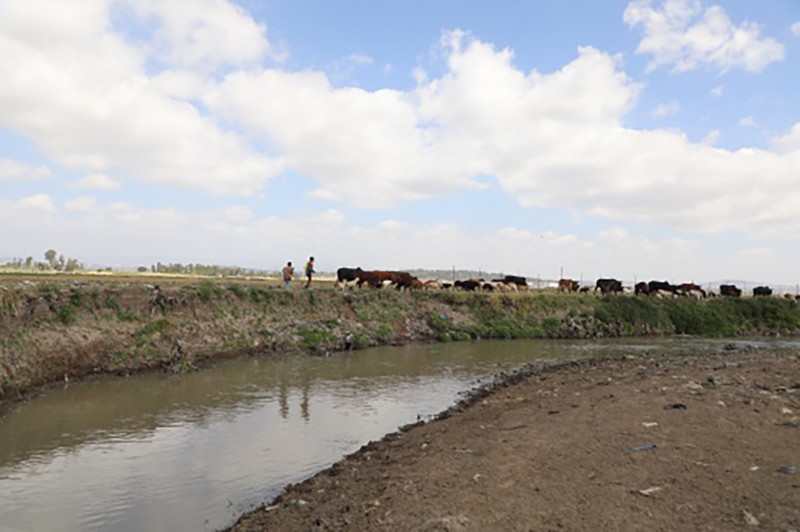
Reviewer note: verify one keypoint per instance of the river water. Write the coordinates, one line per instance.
(193, 452)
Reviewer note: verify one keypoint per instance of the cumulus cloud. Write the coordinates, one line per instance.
(796, 29)
(83, 95)
(95, 182)
(18, 171)
(38, 202)
(82, 204)
(684, 35)
(711, 137)
(549, 139)
(665, 109)
(205, 34)
(789, 143)
(747, 121)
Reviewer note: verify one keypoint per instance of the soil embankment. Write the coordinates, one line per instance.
(60, 329)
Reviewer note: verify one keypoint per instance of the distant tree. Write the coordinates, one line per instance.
(141, 269)
(29, 263)
(73, 265)
(62, 262)
(50, 257)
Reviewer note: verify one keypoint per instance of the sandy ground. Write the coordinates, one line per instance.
(686, 443)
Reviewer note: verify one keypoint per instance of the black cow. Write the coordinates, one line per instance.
(762, 291)
(661, 286)
(346, 275)
(729, 290)
(608, 286)
(469, 285)
(641, 288)
(517, 280)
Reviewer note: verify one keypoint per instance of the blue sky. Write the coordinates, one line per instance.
(635, 139)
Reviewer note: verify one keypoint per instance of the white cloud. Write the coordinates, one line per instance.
(38, 202)
(747, 121)
(665, 109)
(82, 204)
(686, 36)
(18, 171)
(789, 143)
(756, 252)
(329, 218)
(796, 29)
(84, 96)
(551, 140)
(239, 214)
(393, 225)
(711, 137)
(717, 91)
(95, 182)
(211, 33)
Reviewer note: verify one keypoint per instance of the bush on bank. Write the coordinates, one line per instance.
(51, 332)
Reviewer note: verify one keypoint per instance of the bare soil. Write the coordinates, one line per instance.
(681, 443)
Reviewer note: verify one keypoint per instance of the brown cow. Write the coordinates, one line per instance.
(568, 285)
(691, 289)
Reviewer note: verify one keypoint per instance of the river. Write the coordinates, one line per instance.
(193, 452)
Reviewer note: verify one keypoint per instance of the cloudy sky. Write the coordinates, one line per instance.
(635, 139)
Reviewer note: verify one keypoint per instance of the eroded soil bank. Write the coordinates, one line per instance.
(64, 329)
(644, 443)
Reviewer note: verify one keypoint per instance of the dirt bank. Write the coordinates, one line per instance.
(63, 328)
(685, 443)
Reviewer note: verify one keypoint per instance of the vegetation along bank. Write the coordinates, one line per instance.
(59, 331)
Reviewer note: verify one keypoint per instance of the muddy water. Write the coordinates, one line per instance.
(193, 452)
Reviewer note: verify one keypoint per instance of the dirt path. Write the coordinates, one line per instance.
(688, 443)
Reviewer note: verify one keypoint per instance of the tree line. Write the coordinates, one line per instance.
(52, 262)
(55, 262)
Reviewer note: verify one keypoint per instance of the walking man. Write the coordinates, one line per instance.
(309, 270)
(288, 273)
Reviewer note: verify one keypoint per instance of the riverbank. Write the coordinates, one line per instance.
(636, 443)
(59, 329)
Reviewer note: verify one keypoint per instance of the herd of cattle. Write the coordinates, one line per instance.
(348, 277)
(356, 277)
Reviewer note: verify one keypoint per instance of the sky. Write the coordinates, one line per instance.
(639, 139)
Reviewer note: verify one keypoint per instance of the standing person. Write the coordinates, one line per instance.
(309, 270)
(288, 273)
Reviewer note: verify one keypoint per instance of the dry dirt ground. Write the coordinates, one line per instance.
(686, 443)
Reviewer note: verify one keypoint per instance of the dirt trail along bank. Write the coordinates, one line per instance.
(685, 443)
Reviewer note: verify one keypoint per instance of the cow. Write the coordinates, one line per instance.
(378, 279)
(691, 289)
(762, 291)
(347, 275)
(729, 290)
(568, 285)
(641, 288)
(516, 280)
(470, 285)
(370, 278)
(661, 288)
(608, 286)
(405, 280)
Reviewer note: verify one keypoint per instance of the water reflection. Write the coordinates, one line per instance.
(163, 452)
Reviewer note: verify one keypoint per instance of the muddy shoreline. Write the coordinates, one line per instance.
(627, 442)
